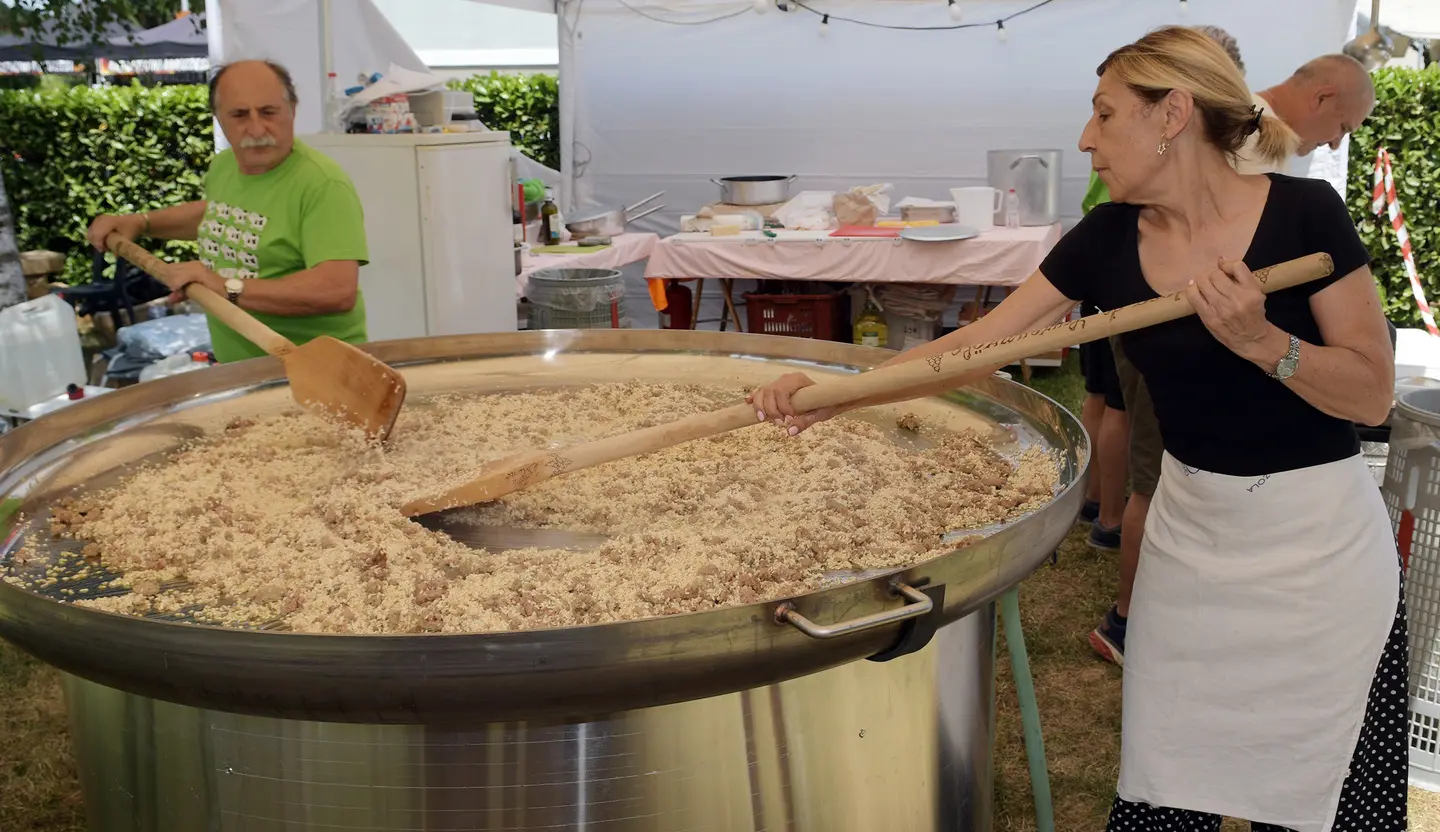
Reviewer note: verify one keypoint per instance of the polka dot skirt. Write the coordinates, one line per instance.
(1373, 797)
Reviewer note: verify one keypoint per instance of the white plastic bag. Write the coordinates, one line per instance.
(808, 211)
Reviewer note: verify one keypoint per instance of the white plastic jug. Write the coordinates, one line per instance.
(976, 207)
(39, 352)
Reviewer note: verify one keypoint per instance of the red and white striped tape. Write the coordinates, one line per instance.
(1385, 200)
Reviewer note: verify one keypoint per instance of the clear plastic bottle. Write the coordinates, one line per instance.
(1012, 209)
(334, 104)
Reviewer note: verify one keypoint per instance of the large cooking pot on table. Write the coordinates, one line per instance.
(741, 718)
(754, 190)
(610, 222)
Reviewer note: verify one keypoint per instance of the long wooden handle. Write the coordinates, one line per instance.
(231, 315)
(951, 366)
(514, 473)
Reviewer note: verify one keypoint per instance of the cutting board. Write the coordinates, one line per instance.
(864, 231)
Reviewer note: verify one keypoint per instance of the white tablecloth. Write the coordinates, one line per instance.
(1002, 257)
(624, 249)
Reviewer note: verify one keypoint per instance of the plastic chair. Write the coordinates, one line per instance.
(128, 288)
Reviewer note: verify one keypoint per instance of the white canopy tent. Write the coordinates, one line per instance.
(668, 93)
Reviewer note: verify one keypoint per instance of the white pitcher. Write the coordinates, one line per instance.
(976, 207)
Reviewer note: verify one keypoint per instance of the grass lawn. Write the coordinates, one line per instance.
(1079, 698)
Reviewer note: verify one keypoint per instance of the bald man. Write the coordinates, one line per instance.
(281, 230)
(1323, 102)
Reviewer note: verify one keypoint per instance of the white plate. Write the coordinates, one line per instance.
(938, 233)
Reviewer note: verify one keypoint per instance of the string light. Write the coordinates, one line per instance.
(824, 25)
(1184, 7)
(761, 6)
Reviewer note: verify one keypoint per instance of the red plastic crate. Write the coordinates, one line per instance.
(798, 316)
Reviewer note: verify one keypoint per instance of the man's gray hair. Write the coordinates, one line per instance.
(1227, 42)
(280, 72)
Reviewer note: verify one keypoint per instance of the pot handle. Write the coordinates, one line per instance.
(791, 178)
(650, 198)
(647, 212)
(920, 604)
(1043, 163)
(717, 181)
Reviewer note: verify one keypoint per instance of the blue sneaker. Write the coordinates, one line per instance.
(1108, 640)
(1089, 512)
(1104, 538)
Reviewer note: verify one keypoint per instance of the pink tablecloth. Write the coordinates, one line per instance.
(624, 249)
(1002, 257)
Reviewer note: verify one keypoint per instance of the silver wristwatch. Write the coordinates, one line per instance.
(1290, 363)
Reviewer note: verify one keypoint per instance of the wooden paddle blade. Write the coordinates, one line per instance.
(496, 479)
(344, 382)
(479, 535)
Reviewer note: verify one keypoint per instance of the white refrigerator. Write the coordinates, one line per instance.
(438, 225)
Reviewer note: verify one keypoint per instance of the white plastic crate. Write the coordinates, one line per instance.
(1412, 496)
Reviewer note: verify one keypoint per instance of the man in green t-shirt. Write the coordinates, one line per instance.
(281, 229)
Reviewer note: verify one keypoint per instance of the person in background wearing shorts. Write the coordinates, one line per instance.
(1322, 102)
(1103, 416)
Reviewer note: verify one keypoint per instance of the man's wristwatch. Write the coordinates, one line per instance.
(1290, 363)
(233, 288)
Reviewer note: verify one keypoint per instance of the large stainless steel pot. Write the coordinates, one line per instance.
(557, 672)
(902, 745)
(611, 221)
(754, 190)
(1035, 176)
(716, 720)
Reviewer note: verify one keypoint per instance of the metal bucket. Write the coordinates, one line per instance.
(739, 718)
(1035, 177)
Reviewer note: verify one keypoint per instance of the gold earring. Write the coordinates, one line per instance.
(1164, 146)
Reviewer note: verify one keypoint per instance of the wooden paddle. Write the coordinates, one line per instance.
(328, 376)
(514, 473)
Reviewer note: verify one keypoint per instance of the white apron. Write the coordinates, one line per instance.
(1261, 608)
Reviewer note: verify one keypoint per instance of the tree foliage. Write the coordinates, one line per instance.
(1406, 122)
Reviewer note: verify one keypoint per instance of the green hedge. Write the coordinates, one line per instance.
(68, 155)
(1406, 121)
(526, 105)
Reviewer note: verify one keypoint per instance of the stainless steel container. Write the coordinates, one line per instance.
(903, 745)
(754, 190)
(1035, 176)
(922, 213)
(755, 717)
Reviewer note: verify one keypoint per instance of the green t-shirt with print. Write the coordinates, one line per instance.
(294, 217)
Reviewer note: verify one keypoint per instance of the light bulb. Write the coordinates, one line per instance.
(1184, 8)
(824, 25)
(1000, 32)
(955, 11)
(761, 6)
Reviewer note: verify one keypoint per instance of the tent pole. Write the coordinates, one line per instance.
(327, 64)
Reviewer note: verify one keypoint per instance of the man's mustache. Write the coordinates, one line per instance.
(252, 141)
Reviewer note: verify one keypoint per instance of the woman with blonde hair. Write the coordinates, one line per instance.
(1265, 679)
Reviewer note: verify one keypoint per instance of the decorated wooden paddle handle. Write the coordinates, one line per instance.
(957, 363)
(231, 315)
(515, 473)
